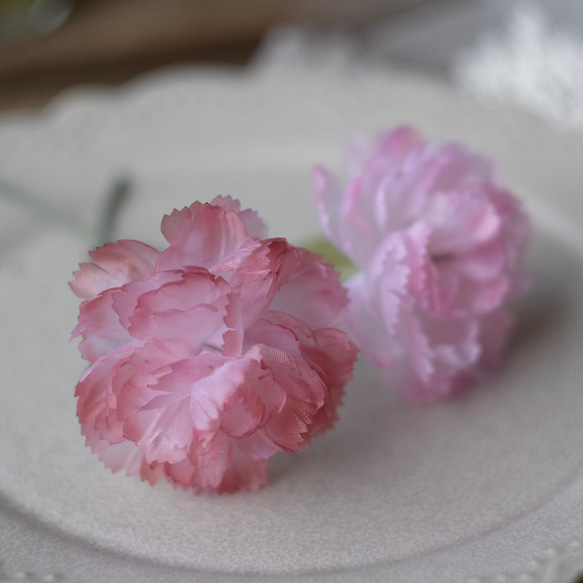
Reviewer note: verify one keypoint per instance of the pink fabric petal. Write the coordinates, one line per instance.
(356, 219)
(401, 195)
(355, 155)
(314, 293)
(460, 221)
(261, 275)
(473, 297)
(243, 473)
(457, 168)
(332, 355)
(96, 401)
(99, 327)
(104, 321)
(166, 432)
(238, 395)
(438, 353)
(125, 299)
(230, 472)
(192, 309)
(365, 318)
(201, 235)
(304, 388)
(328, 201)
(257, 446)
(127, 456)
(115, 264)
(254, 225)
(229, 265)
(379, 297)
(396, 146)
(390, 151)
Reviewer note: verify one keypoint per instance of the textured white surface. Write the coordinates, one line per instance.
(479, 487)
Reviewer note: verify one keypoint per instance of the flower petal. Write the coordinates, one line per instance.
(99, 327)
(314, 293)
(305, 392)
(201, 235)
(328, 202)
(96, 401)
(254, 225)
(115, 264)
(331, 354)
(261, 275)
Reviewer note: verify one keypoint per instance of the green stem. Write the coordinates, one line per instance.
(43, 209)
(117, 196)
(56, 215)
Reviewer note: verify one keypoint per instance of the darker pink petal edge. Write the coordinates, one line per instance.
(211, 356)
(440, 247)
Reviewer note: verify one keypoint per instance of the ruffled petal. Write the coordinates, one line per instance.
(261, 275)
(356, 232)
(96, 399)
(438, 356)
(314, 293)
(237, 396)
(231, 471)
(201, 235)
(255, 226)
(192, 310)
(165, 432)
(394, 147)
(115, 264)
(125, 299)
(457, 169)
(104, 320)
(328, 202)
(305, 392)
(460, 221)
(331, 354)
(99, 327)
(243, 472)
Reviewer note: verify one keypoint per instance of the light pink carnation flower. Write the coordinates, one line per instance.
(440, 247)
(210, 356)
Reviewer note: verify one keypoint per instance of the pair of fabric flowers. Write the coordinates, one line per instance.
(211, 356)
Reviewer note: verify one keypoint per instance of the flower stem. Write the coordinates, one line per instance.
(44, 210)
(118, 194)
(52, 213)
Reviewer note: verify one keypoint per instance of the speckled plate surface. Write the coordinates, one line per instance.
(487, 488)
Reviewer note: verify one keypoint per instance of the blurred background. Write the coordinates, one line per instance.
(52, 44)
(527, 52)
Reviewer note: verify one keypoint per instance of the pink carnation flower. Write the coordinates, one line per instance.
(210, 356)
(440, 248)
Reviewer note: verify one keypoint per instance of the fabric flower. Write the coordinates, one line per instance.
(439, 246)
(210, 356)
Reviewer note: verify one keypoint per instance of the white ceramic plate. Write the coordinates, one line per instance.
(486, 488)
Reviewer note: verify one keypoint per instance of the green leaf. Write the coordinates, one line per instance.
(332, 255)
